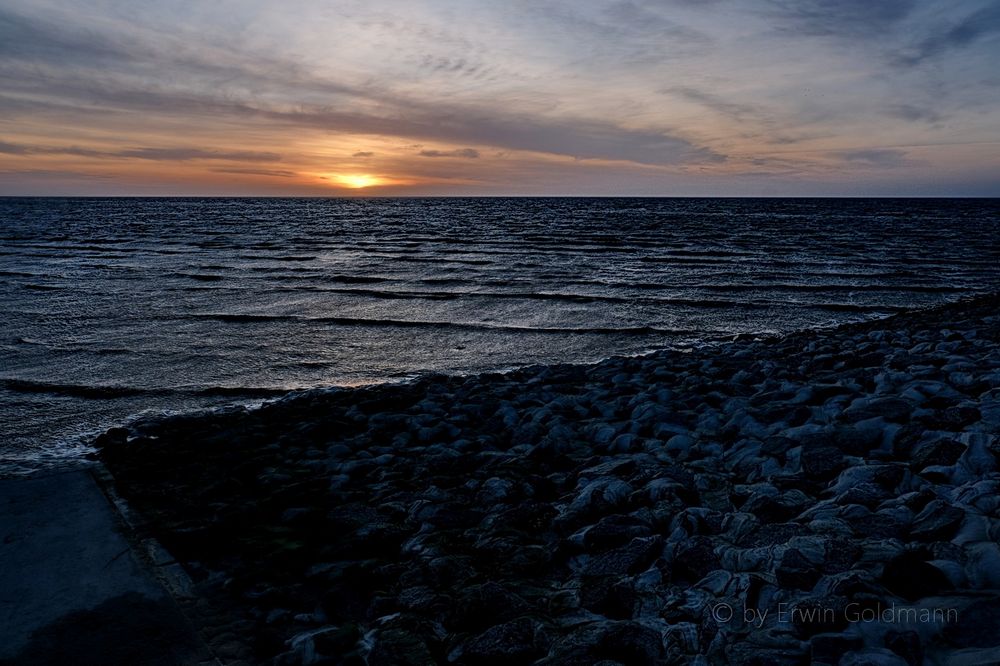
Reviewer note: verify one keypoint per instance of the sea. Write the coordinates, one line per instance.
(123, 307)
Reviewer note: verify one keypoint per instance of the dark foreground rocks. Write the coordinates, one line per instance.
(826, 497)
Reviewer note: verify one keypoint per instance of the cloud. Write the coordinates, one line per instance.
(714, 102)
(111, 76)
(278, 173)
(961, 34)
(915, 113)
(12, 149)
(156, 154)
(363, 153)
(466, 153)
(840, 17)
(876, 157)
(187, 154)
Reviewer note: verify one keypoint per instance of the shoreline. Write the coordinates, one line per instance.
(557, 514)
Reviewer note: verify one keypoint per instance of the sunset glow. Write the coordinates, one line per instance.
(620, 97)
(357, 181)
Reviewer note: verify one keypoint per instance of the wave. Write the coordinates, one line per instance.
(201, 277)
(277, 257)
(467, 326)
(110, 392)
(597, 298)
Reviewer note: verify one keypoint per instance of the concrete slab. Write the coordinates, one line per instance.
(71, 588)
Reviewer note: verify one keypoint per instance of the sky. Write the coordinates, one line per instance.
(520, 97)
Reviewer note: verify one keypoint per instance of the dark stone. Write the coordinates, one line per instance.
(485, 605)
(529, 516)
(819, 615)
(795, 571)
(694, 559)
(951, 417)
(879, 526)
(938, 452)
(771, 509)
(896, 410)
(610, 596)
(518, 641)
(822, 462)
(829, 648)
(633, 558)
(911, 577)
(613, 531)
(937, 522)
(625, 642)
(866, 494)
(979, 626)
(855, 441)
(398, 647)
(773, 534)
(841, 554)
(907, 645)
(111, 438)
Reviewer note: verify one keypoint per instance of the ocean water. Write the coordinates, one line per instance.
(115, 307)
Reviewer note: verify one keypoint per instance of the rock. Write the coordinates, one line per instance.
(938, 521)
(872, 657)
(633, 558)
(907, 645)
(694, 559)
(398, 647)
(821, 462)
(495, 490)
(829, 648)
(893, 409)
(114, 437)
(611, 596)
(818, 615)
(937, 452)
(911, 577)
(485, 605)
(318, 646)
(978, 625)
(795, 571)
(621, 641)
(518, 641)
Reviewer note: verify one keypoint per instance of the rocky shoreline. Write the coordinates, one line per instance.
(829, 496)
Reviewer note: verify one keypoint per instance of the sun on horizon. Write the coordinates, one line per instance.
(358, 181)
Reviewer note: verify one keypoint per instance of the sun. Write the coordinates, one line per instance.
(357, 181)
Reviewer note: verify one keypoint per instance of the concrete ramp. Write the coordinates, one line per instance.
(73, 591)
